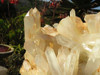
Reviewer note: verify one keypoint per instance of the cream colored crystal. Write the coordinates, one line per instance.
(49, 30)
(93, 22)
(70, 47)
(53, 62)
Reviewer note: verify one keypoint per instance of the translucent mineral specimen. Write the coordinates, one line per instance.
(53, 62)
(70, 47)
(93, 22)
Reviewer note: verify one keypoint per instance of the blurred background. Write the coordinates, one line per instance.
(12, 13)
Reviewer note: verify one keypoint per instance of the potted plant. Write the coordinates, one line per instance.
(5, 50)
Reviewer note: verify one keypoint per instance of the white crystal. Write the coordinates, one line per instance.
(70, 47)
(72, 13)
(63, 52)
(93, 22)
(41, 63)
(52, 61)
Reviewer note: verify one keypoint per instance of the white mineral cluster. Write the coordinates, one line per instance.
(71, 47)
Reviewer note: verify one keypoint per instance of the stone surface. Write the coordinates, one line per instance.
(3, 70)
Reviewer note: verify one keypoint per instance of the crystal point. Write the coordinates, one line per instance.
(70, 47)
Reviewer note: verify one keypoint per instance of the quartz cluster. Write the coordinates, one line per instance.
(70, 47)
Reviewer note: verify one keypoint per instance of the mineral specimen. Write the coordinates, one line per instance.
(70, 47)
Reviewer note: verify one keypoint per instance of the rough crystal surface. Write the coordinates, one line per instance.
(70, 47)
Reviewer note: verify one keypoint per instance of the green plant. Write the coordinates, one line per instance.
(81, 6)
(1, 29)
(12, 30)
(12, 33)
(14, 61)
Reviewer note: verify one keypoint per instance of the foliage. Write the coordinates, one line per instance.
(64, 6)
(81, 6)
(7, 10)
(12, 33)
(14, 61)
(12, 30)
(36, 3)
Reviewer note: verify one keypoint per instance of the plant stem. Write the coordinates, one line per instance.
(53, 17)
(8, 10)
